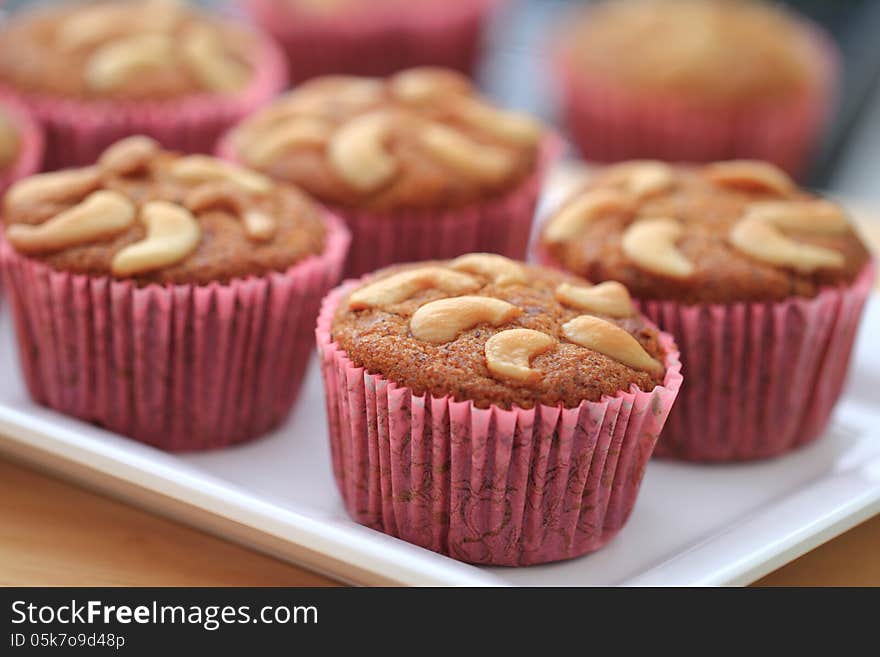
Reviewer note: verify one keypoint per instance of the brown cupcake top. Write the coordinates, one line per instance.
(155, 216)
(705, 50)
(720, 233)
(149, 49)
(495, 331)
(419, 139)
(9, 141)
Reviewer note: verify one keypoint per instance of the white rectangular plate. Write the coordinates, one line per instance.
(692, 524)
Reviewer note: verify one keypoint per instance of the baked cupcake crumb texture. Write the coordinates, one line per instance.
(150, 49)
(725, 232)
(420, 138)
(157, 216)
(495, 331)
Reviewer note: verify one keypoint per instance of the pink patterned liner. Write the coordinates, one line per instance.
(761, 378)
(78, 131)
(377, 41)
(489, 486)
(180, 367)
(609, 123)
(501, 225)
(30, 149)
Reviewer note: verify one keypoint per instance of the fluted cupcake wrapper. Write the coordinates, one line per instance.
(488, 486)
(179, 367)
(30, 144)
(77, 131)
(500, 225)
(379, 41)
(762, 378)
(609, 123)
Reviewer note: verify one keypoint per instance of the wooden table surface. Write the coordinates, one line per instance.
(54, 533)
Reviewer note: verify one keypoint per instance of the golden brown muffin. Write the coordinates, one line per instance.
(9, 142)
(155, 216)
(725, 232)
(711, 51)
(419, 139)
(496, 331)
(150, 49)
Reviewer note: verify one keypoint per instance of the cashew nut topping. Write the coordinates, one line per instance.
(402, 285)
(509, 353)
(129, 155)
(54, 187)
(765, 242)
(608, 298)
(119, 61)
(202, 168)
(92, 25)
(512, 127)
(750, 174)
(265, 148)
(204, 55)
(443, 320)
(172, 234)
(815, 216)
(641, 178)
(357, 151)
(483, 162)
(101, 215)
(577, 213)
(334, 94)
(427, 84)
(257, 224)
(612, 341)
(650, 244)
(502, 271)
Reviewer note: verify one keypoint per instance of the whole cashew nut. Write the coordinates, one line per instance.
(502, 271)
(485, 163)
(509, 353)
(607, 298)
(612, 341)
(402, 285)
(54, 187)
(443, 320)
(172, 234)
(357, 151)
(750, 174)
(579, 212)
(765, 242)
(650, 244)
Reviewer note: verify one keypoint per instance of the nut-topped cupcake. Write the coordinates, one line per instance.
(21, 144)
(476, 404)
(761, 283)
(127, 278)
(93, 72)
(695, 80)
(418, 164)
(374, 37)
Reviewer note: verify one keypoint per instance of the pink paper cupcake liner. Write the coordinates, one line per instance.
(609, 123)
(377, 41)
(501, 225)
(488, 486)
(180, 367)
(761, 378)
(77, 132)
(30, 145)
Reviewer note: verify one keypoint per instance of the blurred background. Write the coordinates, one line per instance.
(515, 72)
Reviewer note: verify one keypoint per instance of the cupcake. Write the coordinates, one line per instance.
(761, 283)
(417, 164)
(695, 81)
(21, 144)
(375, 37)
(168, 298)
(492, 411)
(92, 73)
